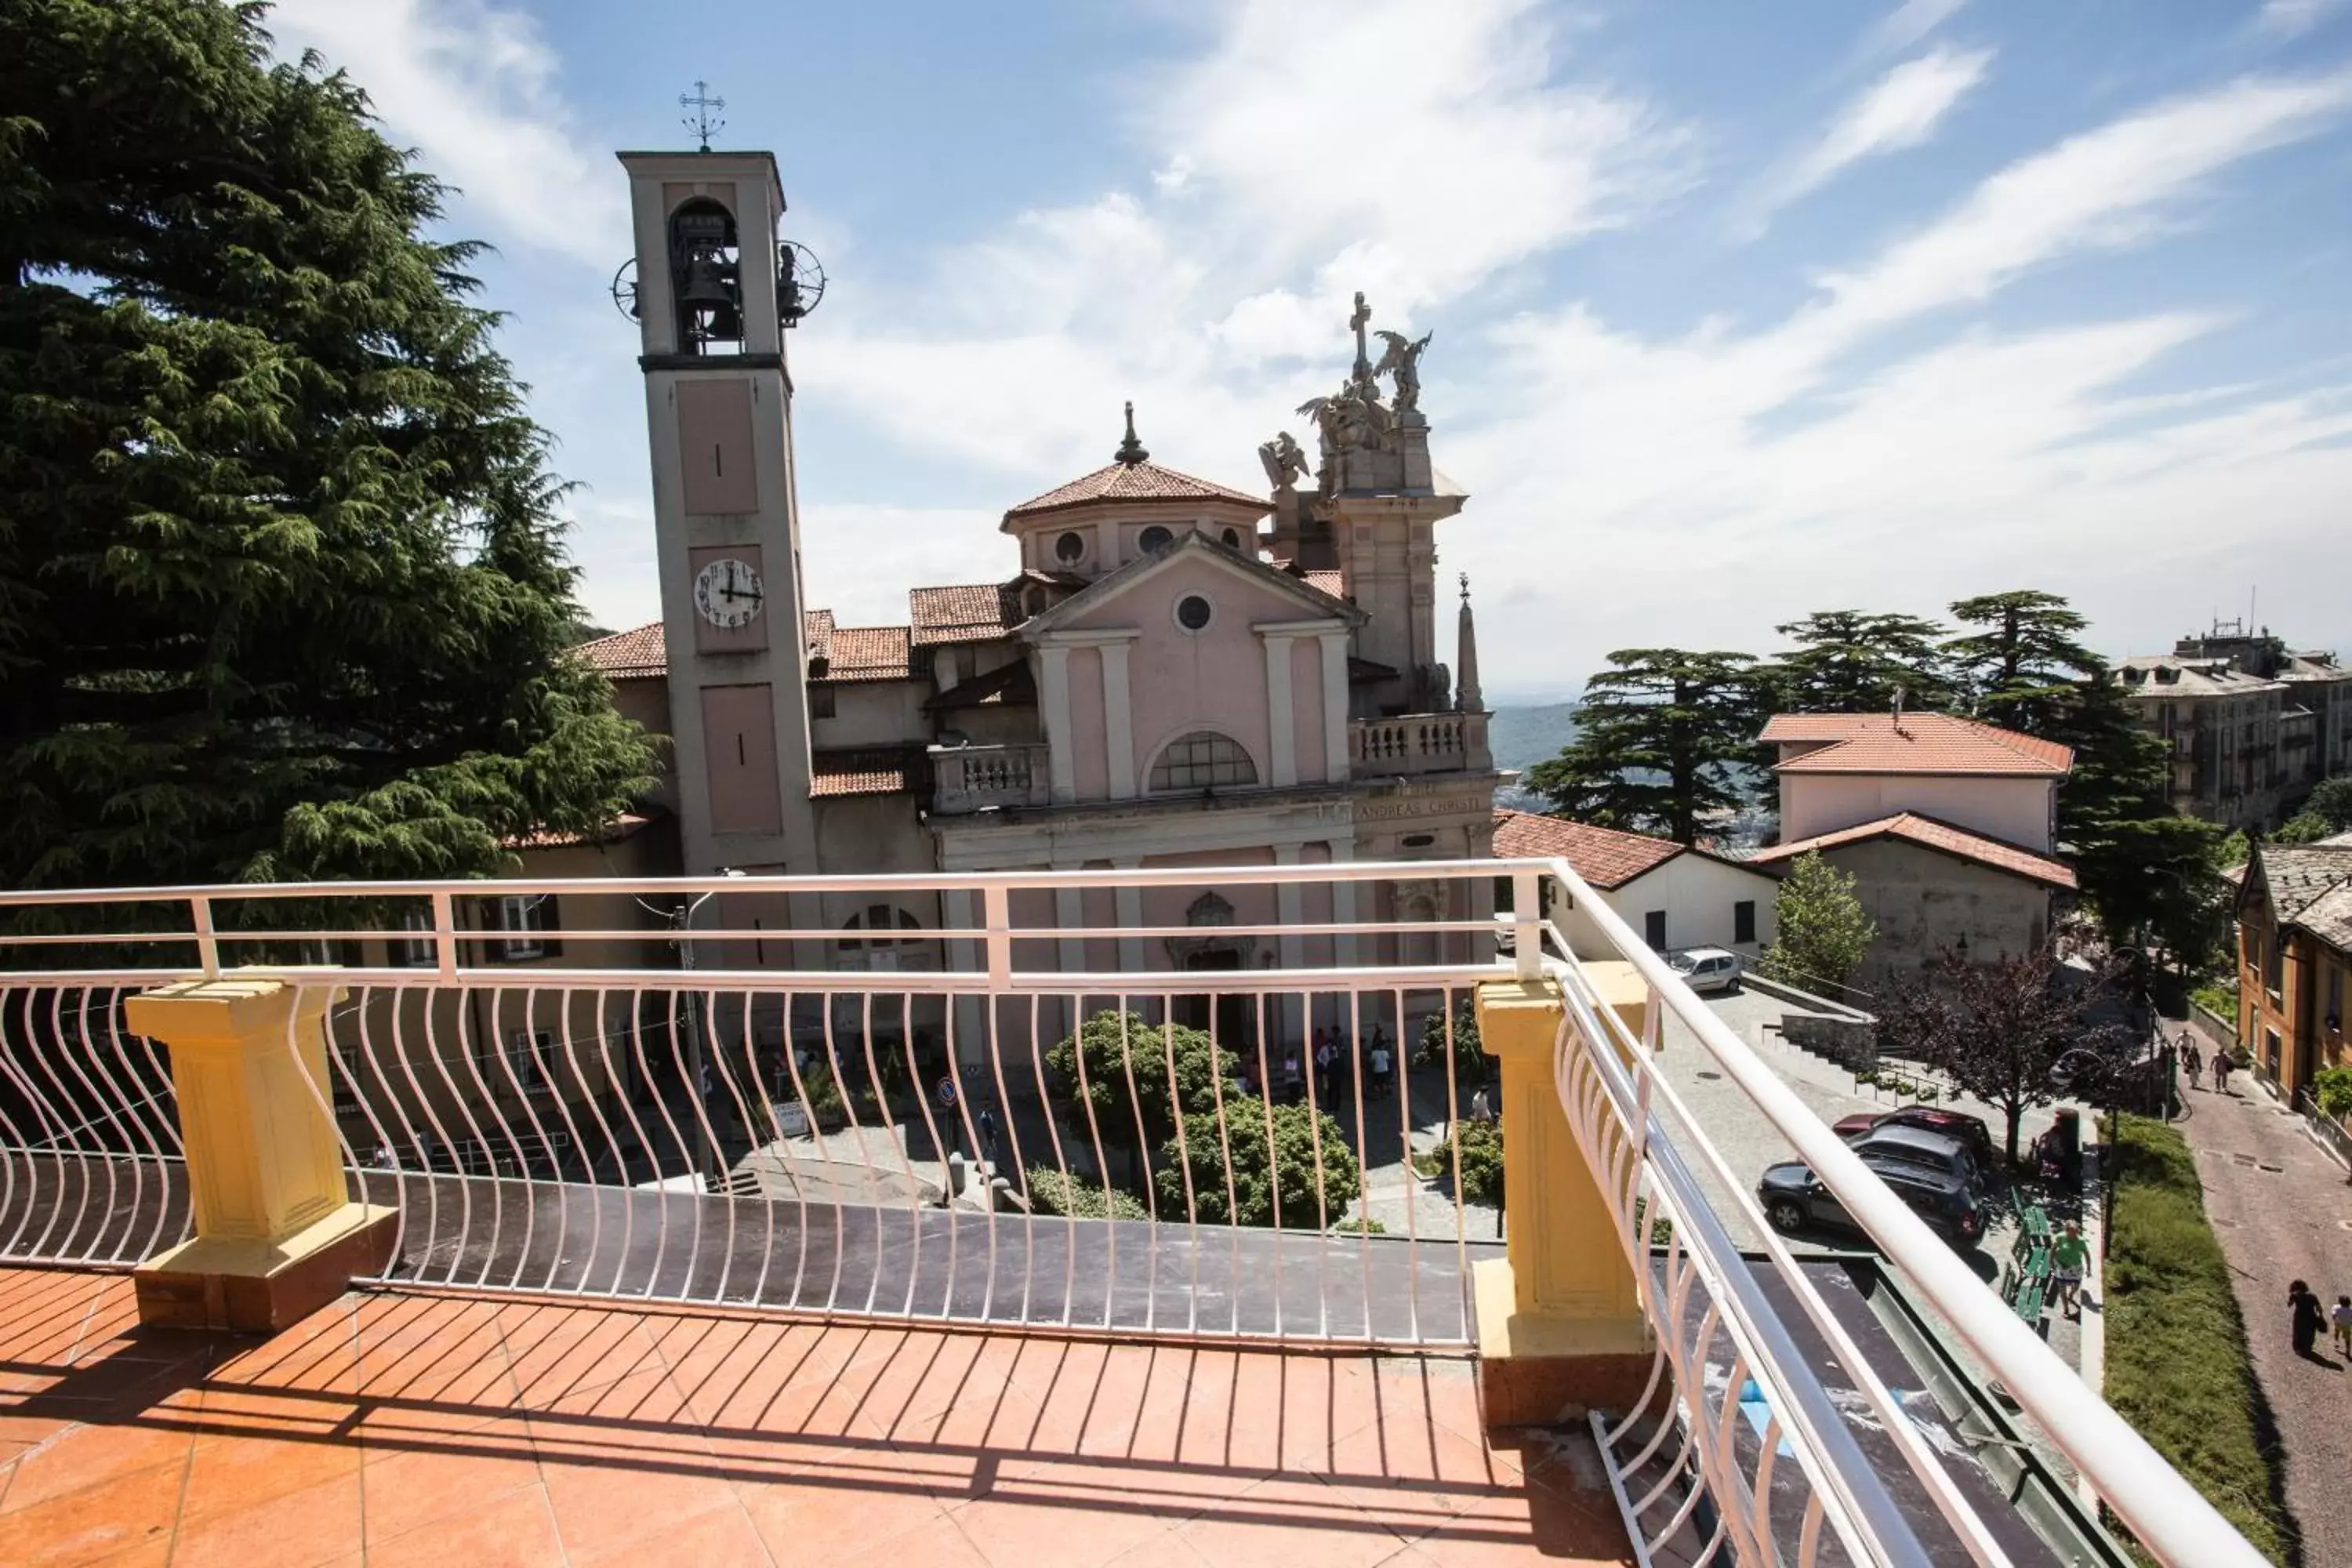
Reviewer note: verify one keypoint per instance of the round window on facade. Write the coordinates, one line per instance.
(1070, 549)
(1154, 538)
(1193, 613)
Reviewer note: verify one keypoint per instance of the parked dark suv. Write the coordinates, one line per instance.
(1969, 1130)
(1928, 1150)
(1794, 1198)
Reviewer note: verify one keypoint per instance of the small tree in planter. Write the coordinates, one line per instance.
(1119, 1064)
(2000, 1030)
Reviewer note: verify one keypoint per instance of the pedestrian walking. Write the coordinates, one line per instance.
(2222, 1065)
(1382, 1086)
(1327, 1056)
(2342, 1316)
(987, 1120)
(1482, 1108)
(2190, 1057)
(2068, 1255)
(2304, 1317)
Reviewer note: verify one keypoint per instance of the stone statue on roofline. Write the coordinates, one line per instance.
(1286, 461)
(1403, 360)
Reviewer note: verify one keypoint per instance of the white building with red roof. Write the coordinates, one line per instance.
(1947, 825)
(1678, 896)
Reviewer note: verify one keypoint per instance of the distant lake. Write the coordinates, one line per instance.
(1521, 737)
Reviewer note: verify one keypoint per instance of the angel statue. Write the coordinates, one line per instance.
(1284, 459)
(1403, 358)
(1326, 412)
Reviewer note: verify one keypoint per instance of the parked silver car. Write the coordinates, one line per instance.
(1706, 969)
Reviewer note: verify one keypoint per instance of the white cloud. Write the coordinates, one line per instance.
(472, 87)
(2293, 19)
(859, 561)
(1905, 25)
(1900, 110)
(1628, 488)
(2116, 186)
(1288, 179)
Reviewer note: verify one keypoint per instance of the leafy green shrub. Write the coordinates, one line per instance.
(2178, 1368)
(2331, 1089)
(1482, 1164)
(1051, 1192)
(1261, 1173)
(1118, 1063)
(1471, 1063)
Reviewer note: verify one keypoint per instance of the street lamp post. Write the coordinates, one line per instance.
(694, 1027)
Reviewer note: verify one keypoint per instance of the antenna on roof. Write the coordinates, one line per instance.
(1898, 710)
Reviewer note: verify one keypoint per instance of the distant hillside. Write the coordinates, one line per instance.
(1523, 736)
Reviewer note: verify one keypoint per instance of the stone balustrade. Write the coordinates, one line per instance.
(978, 778)
(1418, 743)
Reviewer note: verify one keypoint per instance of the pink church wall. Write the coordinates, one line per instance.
(1180, 682)
(1087, 724)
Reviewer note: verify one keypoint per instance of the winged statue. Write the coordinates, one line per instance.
(1284, 459)
(1404, 360)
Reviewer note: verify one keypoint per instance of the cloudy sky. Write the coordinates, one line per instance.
(1741, 312)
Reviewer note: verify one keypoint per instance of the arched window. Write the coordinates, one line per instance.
(1202, 760)
(875, 938)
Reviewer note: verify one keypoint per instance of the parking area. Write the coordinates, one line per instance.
(1748, 1144)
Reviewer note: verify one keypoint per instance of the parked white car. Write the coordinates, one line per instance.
(1706, 969)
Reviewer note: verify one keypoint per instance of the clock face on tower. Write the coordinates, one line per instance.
(728, 594)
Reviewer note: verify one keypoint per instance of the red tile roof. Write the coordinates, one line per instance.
(866, 770)
(1924, 743)
(1932, 834)
(642, 653)
(963, 611)
(1603, 856)
(1132, 482)
(635, 655)
(868, 653)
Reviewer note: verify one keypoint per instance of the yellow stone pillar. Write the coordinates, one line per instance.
(1560, 1329)
(277, 1235)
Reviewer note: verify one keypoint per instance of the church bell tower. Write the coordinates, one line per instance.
(714, 295)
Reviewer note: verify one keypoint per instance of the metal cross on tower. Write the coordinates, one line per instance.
(703, 122)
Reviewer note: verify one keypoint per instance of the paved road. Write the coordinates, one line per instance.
(2283, 1212)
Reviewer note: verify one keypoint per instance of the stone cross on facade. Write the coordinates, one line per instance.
(1361, 319)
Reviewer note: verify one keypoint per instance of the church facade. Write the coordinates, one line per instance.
(1172, 672)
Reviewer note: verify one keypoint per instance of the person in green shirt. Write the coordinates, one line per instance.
(2068, 1255)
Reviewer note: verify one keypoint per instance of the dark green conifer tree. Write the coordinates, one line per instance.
(282, 588)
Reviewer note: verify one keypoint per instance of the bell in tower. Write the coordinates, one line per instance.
(708, 276)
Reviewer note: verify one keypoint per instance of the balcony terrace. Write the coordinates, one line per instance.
(1008, 1260)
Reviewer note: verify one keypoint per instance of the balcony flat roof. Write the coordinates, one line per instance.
(455, 1430)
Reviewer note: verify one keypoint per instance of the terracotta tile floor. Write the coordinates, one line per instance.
(455, 1432)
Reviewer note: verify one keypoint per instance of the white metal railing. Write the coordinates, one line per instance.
(976, 778)
(911, 1144)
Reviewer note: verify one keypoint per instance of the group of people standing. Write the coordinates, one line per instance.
(1332, 1060)
(2192, 1062)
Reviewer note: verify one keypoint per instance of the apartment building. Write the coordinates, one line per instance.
(2254, 726)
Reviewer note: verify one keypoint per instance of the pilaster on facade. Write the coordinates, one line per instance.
(1118, 719)
(1054, 703)
(1335, 705)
